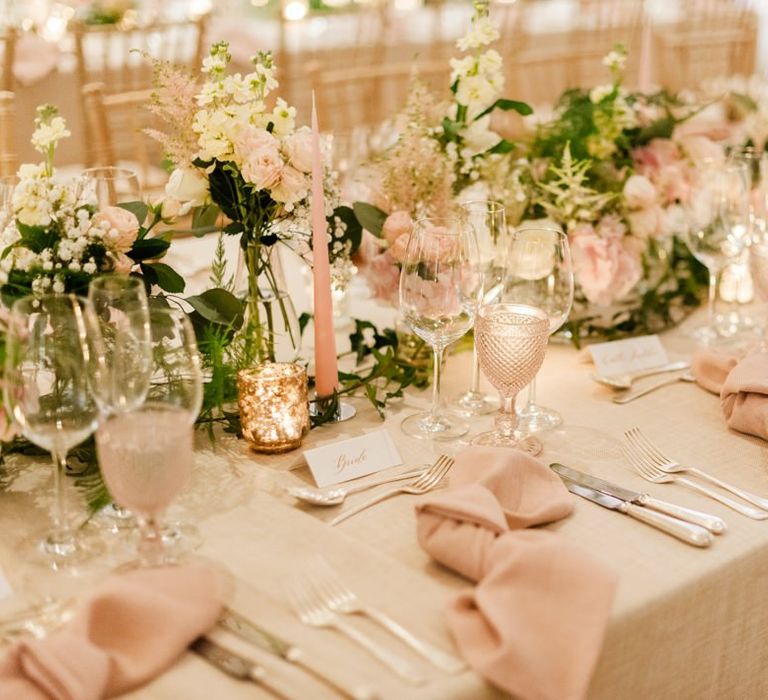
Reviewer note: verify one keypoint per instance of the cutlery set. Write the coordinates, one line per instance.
(623, 383)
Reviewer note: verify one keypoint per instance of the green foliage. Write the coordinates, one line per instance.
(370, 217)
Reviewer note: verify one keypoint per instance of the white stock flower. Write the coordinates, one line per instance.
(482, 33)
(475, 92)
(283, 118)
(615, 60)
(599, 93)
(47, 135)
(461, 67)
(212, 127)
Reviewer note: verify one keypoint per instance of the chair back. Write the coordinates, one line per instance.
(8, 37)
(9, 162)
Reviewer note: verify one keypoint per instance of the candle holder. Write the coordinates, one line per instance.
(274, 410)
(331, 409)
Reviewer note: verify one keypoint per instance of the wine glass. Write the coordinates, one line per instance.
(487, 221)
(540, 274)
(440, 288)
(717, 232)
(52, 343)
(110, 185)
(145, 475)
(511, 342)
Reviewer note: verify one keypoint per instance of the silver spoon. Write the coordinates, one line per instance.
(631, 396)
(336, 496)
(624, 381)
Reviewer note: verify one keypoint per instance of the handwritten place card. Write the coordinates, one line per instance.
(630, 355)
(350, 459)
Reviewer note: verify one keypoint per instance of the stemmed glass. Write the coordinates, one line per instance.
(145, 475)
(110, 185)
(52, 346)
(440, 288)
(511, 342)
(540, 274)
(487, 221)
(718, 227)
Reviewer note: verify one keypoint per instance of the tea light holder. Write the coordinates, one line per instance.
(274, 408)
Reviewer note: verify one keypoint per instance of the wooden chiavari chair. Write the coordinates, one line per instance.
(8, 37)
(8, 158)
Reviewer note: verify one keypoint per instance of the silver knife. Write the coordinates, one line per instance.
(687, 532)
(249, 631)
(711, 522)
(231, 663)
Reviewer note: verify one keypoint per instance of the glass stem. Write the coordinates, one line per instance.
(531, 401)
(436, 372)
(61, 531)
(506, 419)
(151, 550)
(475, 386)
(712, 292)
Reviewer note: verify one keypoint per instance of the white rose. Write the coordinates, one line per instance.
(639, 192)
(645, 223)
(170, 208)
(298, 148)
(187, 185)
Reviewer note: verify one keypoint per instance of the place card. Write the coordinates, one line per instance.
(350, 459)
(630, 355)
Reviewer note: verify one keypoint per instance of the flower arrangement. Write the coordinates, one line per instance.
(57, 240)
(253, 164)
(615, 171)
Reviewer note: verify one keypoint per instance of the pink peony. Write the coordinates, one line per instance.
(646, 223)
(123, 228)
(611, 226)
(656, 155)
(673, 183)
(397, 224)
(258, 153)
(383, 277)
(639, 192)
(603, 267)
(298, 149)
(292, 188)
(700, 149)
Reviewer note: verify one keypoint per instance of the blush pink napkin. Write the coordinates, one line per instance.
(535, 622)
(129, 631)
(742, 382)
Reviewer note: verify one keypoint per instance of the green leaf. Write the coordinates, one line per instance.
(167, 278)
(507, 106)
(502, 147)
(660, 129)
(371, 218)
(451, 129)
(205, 217)
(218, 306)
(353, 230)
(304, 320)
(234, 228)
(138, 209)
(148, 248)
(36, 238)
(744, 102)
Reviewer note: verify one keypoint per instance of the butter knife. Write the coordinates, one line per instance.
(687, 532)
(231, 663)
(711, 522)
(244, 628)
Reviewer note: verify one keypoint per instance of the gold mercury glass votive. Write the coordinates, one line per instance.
(274, 408)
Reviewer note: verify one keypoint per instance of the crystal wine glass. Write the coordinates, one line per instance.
(511, 342)
(145, 475)
(440, 288)
(487, 221)
(110, 185)
(53, 341)
(540, 274)
(718, 226)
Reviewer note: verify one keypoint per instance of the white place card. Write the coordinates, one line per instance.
(630, 355)
(350, 459)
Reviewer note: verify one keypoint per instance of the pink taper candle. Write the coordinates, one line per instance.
(644, 77)
(326, 367)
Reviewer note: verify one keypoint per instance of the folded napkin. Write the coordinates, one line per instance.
(125, 634)
(534, 624)
(742, 382)
(34, 58)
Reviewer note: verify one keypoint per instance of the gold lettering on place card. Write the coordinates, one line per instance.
(346, 460)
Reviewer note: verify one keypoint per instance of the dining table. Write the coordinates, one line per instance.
(686, 622)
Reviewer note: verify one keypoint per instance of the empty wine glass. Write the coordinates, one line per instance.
(51, 345)
(511, 342)
(145, 475)
(487, 221)
(110, 185)
(440, 287)
(540, 274)
(717, 231)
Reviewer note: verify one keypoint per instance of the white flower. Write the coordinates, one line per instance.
(476, 93)
(461, 67)
(599, 93)
(616, 60)
(283, 118)
(212, 127)
(482, 33)
(186, 185)
(58, 286)
(48, 135)
(89, 267)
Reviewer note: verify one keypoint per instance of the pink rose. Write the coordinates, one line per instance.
(398, 248)
(123, 228)
(701, 149)
(298, 149)
(292, 188)
(397, 224)
(383, 277)
(646, 223)
(121, 263)
(673, 183)
(258, 153)
(639, 192)
(611, 226)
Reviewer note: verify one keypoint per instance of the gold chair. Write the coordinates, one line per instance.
(9, 163)
(8, 37)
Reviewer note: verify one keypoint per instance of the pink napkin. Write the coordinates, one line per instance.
(535, 622)
(34, 59)
(742, 382)
(130, 630)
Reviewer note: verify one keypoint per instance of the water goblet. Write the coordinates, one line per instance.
(511, 342)
(145, 475)
(440, 288)
(487, 221)
(110, 185)
(540, 274)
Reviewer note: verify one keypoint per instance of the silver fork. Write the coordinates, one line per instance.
(311, 611)
(341, 599)
(426, 482)
(650, 472)
(671, 466)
